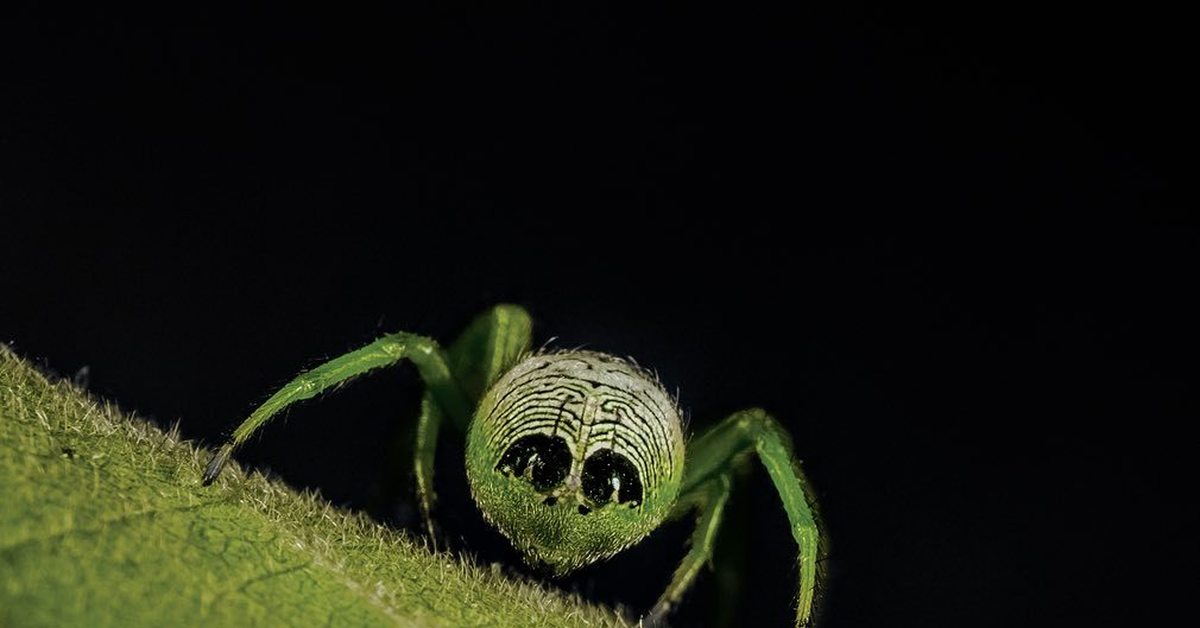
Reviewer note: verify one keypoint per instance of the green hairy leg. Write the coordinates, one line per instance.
(712, 457)
(453, 381)
(709, 499)
(424, 448)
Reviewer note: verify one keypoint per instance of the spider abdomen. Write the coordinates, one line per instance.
(575, 456)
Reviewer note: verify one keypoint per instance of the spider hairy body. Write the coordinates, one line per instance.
(573, 455)
(599, 445)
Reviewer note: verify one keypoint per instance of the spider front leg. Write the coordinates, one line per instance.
(424, 352)
(453, 381)
(706, 487)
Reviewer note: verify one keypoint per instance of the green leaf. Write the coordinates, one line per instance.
(103, 521)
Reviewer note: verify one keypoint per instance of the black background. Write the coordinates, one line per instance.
(949, 248)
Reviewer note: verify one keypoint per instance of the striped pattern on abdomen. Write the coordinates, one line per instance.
(592, 401)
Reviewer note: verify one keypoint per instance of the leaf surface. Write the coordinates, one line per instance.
(103, 521)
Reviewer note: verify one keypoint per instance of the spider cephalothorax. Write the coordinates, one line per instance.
(573, 455)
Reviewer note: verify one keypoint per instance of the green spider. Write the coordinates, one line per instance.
(572, 455)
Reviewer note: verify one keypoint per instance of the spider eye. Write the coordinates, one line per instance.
(543, 460)
(609, 476)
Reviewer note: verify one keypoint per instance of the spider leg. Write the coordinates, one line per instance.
(713, 456)
(424, 448)
(492, 343)
(709, 499)
(424, 352)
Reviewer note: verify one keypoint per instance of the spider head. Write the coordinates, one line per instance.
(565, 471)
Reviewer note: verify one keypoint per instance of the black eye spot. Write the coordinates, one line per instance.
(545, 460)
(606, 472)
